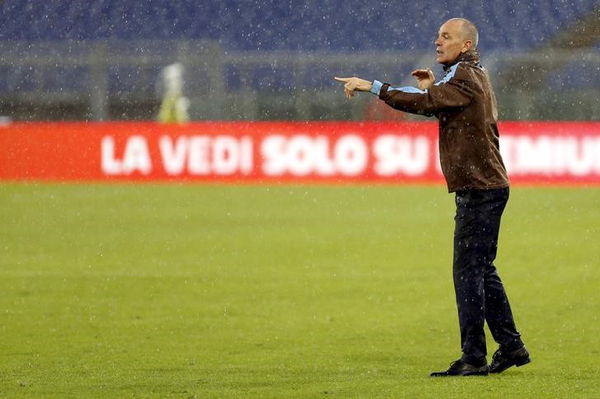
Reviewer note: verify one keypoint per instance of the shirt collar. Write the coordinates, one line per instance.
(471, 56)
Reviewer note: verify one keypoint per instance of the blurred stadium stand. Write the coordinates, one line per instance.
(275, 60)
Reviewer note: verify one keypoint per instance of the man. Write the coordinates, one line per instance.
(465, 105)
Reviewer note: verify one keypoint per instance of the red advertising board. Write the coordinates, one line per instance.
(534, 152)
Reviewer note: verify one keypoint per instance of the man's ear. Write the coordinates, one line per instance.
(467, 45)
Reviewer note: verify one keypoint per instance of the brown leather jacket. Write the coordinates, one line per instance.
(465, 105)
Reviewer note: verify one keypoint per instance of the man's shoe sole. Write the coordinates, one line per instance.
(476, 374)
(523, 362)
(464, 374)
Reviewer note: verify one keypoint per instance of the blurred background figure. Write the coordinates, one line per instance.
(174, 106)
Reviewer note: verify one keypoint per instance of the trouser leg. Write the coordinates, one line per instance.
(479, 291)
(498, 314)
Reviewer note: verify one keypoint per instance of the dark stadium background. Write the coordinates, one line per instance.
(265, 60)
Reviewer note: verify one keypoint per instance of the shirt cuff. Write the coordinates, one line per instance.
(376, 88)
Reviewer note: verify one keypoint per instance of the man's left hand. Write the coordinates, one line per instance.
(425, 78)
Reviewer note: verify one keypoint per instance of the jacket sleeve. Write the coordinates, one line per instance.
(453, 93)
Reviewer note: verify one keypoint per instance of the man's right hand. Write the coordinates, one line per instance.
(354, 84)
(424, 78)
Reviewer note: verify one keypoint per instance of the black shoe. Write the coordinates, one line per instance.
(460, 368)
(501, 360)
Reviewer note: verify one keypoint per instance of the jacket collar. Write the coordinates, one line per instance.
(471, 56)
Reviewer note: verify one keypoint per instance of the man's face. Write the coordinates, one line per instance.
(450, 42)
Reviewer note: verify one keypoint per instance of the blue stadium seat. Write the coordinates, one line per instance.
(304, 25)
(329, 25)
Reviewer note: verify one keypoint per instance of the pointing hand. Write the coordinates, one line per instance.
(354, 84)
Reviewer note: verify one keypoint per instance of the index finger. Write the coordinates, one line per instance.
(345, 80)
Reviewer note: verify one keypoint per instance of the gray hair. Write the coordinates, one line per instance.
(469, 30)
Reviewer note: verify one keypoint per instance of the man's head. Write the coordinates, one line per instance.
(456, 36)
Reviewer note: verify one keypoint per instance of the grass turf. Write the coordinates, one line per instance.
(281, 291)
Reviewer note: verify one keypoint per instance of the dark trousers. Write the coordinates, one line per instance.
(480, 295)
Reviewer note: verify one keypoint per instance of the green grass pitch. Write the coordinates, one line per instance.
(214, 291)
